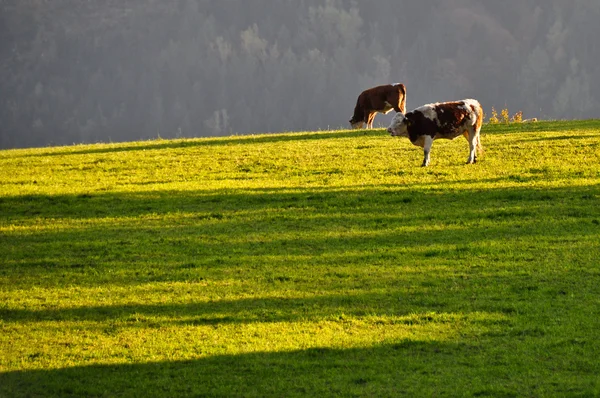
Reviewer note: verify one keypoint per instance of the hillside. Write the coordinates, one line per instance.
(303, 264)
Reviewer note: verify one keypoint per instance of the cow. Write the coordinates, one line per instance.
(441, 120)
(380, 99)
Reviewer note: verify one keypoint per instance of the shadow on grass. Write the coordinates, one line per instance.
(126, 239)
(190, 233)
(375, 199)
(384, 370)
(413, 309)
(212, 219)
(402, 368)
(209, 141)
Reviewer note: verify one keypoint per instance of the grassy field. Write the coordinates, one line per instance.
(303, 264)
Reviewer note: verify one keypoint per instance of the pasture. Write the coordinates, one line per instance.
(303, 264)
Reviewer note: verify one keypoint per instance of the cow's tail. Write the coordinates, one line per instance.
(478, 125)
(402, 92)
(480, 149)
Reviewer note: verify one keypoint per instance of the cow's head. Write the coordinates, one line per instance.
(356, 124)
(399, 125)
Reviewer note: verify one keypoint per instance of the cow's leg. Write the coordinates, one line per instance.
(472, 137)
(427, 142)
(370, 120)
(478, 147)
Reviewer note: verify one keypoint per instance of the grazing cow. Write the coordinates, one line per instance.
(441, 120)
(380, 99)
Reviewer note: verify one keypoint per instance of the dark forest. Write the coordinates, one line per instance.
(76, 71)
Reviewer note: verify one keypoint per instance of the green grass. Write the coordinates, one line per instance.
(303, 264)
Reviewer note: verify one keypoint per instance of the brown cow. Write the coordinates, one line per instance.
(380, 99)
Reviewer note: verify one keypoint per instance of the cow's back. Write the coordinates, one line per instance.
(375, 98)
(445, 119)
(372, 99)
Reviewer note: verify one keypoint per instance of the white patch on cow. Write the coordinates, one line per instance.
(471, 102)
(427, 142)
(468, 105)
(429, 112)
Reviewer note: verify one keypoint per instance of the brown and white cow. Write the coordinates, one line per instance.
(441, 120)
(380, 99)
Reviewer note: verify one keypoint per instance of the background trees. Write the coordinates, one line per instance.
(119, 70)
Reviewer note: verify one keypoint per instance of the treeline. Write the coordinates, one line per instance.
(87, 71)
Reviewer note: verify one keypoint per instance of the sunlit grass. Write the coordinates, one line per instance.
(303, 264)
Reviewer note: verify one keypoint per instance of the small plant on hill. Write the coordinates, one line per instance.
(517, 117)
(505, 116)
(494, 118)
